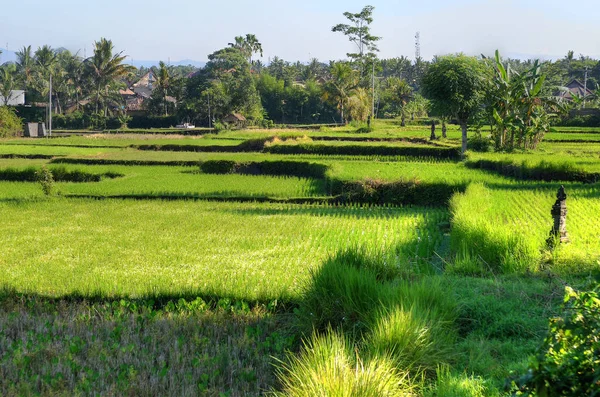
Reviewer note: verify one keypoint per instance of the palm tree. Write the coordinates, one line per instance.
(402, 93)
(44, 60)
(338, 88)
(248, 45)
(7, 82)
(253, 45)
(25, 65)
(105, 67)
(163, 82)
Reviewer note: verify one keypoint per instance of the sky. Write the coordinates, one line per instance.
(301, 30)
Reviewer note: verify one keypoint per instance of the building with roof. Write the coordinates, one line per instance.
(235, 119)
(574, 89)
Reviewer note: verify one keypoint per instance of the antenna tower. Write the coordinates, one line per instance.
(418, 45)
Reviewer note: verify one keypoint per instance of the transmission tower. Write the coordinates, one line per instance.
(418, 45)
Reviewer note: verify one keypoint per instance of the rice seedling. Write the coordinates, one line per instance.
(152, 248)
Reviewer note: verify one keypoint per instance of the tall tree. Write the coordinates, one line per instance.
(248, 45)
(7, 82)
(358, 31)
(456, 87)
(338, 88)
(105, 67)
(25, 66)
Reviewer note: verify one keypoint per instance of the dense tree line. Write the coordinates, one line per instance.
(237, 80)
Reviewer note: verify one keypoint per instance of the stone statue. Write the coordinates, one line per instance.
(559, 214)
(432, 137)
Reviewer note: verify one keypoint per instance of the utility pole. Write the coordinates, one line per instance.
(208, 99)
(50, 108)
(585, 86)
(373, 92)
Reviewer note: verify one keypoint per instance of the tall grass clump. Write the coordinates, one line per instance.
(340, 294)
(328, 366)
(448, 384)
(483, 241)
(415, 327)
(414, 338)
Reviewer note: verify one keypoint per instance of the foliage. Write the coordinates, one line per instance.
(479, 143)
(105, 67)
(455, 85)
(567, 362)
(359, 32)
(46, 180)
(519, 115)
(327, 366)
(359, 105)
(10, 124)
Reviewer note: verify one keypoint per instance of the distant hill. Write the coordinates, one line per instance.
(10, 56)
(185, 62)
(7, 56)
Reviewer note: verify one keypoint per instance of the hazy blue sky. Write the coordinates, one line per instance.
(299, 30)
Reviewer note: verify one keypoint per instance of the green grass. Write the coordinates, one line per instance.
(504, 229)
(387, 299)
(247, 251)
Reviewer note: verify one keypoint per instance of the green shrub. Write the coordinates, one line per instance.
(363, 150)
(218, 166)
(401, 192)
(59, 174)
(301, 169)
(479, 143)
(568, 361)
(46, 180)
(328, 366)
(10, 124)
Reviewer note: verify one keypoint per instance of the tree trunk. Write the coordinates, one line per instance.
(463, 127)
(403, 123)
(444, 129)
(432, 137)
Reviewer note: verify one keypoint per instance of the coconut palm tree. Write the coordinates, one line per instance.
(338, 88)
(105, 67)
(25, 66)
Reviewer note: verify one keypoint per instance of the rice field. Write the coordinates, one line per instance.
(163, 279)
(144, 248)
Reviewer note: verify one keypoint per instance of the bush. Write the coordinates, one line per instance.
(46, 180)
(328, 366)
(479, 143)
(398, 192)
(10, 124)
(299, 169)
(59, 174)
(567, 363)
(362, 150)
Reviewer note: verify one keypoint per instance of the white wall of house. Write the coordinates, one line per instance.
(16, 97)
